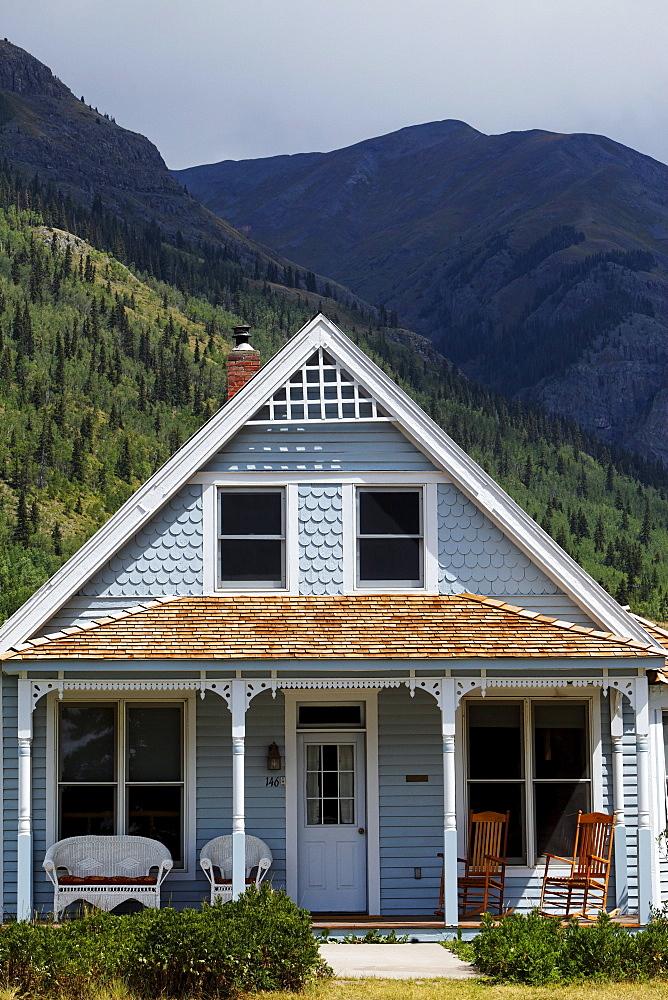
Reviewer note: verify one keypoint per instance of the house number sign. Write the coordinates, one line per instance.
(275, 781)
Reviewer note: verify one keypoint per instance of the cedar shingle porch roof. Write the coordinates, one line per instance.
(360, 627)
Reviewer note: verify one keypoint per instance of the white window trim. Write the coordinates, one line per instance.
(187, 699)
(429, 537)
(370, 699)
(210, 540)
(590, 695)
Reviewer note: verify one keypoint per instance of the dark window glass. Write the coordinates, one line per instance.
(391, 512)
(495, 741)
(87, 743)
(256, 561)
(154, 743)
(330, 715)
(86, 809)
(392, 559)
(560, 741)
(502, 797)
(556, 806)
(155, 812)
(253, 513)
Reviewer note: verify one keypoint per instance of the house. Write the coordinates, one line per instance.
(322, 569)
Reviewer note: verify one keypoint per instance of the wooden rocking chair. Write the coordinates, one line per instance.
(482, 884)
(586, 886)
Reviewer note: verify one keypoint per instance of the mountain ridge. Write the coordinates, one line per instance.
(475, 241)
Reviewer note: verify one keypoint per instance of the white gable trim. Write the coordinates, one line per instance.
(411, 420)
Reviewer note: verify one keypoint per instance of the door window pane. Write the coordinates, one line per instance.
(154, 743)
(330, 783)
(87, 743)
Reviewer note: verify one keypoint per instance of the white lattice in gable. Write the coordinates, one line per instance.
(320, 390)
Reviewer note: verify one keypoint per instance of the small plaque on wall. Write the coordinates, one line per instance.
(417, 777)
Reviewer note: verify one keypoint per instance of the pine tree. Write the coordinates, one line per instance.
(22, 526)
(124, 463)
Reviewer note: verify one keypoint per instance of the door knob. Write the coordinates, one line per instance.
(361, 830)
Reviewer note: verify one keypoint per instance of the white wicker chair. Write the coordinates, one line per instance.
(217, 855)
(124, 863)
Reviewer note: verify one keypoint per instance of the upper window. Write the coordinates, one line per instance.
(251, 539)
(121, 770)
(531, 759)
(390, 550)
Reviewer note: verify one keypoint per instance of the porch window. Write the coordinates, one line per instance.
(390, 538)
(533, 759)
(121, 770)
(251, 539)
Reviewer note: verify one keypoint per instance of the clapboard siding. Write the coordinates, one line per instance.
(347, 447)
(265, 805)
(411, 814)
(10, 792)
(553, 606)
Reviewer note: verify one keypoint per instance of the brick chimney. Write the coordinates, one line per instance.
(242, 361)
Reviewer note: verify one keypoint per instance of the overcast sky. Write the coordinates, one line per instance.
(208, 80)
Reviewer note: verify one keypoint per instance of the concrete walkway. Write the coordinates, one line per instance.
(395, 961)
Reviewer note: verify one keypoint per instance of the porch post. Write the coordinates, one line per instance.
(24, 838)
(620, 848)
(645, 846)
(447, 705)
(238, 707)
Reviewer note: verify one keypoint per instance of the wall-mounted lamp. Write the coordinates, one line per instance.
(273, 758)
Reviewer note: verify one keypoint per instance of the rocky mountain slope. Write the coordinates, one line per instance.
(538, 262)
(46, 130)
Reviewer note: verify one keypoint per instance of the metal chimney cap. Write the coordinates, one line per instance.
(241, 338)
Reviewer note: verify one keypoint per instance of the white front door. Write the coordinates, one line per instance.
(331, 829)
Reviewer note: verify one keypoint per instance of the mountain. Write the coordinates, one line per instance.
(537, 262)
(46, 130)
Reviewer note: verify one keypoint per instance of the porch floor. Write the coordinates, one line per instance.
(365, 921)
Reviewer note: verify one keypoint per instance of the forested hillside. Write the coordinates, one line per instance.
(112, 351)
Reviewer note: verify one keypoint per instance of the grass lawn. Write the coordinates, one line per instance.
(443, 989)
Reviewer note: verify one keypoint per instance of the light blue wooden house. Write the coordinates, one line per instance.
(321, 623)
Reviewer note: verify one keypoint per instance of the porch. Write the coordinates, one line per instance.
(340, 925)
(413, 763)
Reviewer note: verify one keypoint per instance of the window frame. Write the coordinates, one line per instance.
(252, 585)
(119, 700)
(384, 585)
(528, 781)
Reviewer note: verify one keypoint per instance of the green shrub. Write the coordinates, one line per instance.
(261, 941)
(519, 949)
(537, 950)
